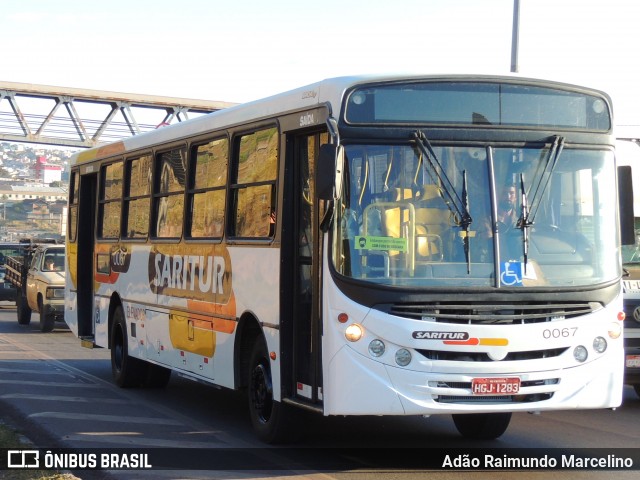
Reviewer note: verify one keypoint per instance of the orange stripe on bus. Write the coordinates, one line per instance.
(215, 324)
(471, 341)
(494, 342)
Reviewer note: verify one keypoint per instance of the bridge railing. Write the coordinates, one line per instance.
(85, 118)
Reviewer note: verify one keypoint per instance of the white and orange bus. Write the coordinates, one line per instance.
(362, 246)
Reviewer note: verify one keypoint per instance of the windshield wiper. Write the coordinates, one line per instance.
(465, 238)
(545, 177)
(527, 217)
(458, 206)
(524, 222)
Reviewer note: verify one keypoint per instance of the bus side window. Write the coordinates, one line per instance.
(136, 199)
(207, 188)
(254, 186)
(110, 201)
(169, 193)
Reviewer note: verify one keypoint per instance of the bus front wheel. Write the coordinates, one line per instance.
(127, 371)
(482, 426)
(268, 417)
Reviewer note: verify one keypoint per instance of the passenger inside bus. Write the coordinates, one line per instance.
(507, 206)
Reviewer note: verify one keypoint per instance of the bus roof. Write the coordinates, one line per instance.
(327, 91)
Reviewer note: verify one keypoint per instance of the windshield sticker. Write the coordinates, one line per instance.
(381, 243)
(511, 274)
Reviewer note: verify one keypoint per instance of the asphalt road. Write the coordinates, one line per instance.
(61, 395)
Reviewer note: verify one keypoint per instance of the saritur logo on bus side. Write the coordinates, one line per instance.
(200, 275)
(420, 335)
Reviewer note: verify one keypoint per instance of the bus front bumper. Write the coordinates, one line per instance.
(357, 385)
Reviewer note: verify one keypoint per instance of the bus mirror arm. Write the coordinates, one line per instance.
(325, 223)
(329, 172)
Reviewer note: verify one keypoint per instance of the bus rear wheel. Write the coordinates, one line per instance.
(482, 426)
(127, 371)
(268, 417)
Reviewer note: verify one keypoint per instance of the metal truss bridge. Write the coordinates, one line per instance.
(85, 118)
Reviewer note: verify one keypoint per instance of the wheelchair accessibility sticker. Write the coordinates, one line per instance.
(511, 274)
(381, 243)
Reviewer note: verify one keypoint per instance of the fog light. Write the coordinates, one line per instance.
(376, 347)
(354, 332)
(599, 344)
(615, 330)
(403, 357)
(580, 353)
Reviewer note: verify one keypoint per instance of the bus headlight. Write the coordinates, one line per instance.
(580, 353)
(403, 357)
(376, 348)
(599, 344)
(354, 332)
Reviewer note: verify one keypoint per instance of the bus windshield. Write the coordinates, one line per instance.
(401, 219)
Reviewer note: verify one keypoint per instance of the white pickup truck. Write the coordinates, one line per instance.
(39, 278)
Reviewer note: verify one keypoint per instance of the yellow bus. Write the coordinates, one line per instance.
(368, 245)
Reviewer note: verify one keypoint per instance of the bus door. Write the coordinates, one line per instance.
(84, 258)
(301, 276)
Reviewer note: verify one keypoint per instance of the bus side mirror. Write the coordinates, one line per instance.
(625, 199)
(329, 170)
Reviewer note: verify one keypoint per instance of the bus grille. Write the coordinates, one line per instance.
(470, 356)
(534, 397)
(474, 313)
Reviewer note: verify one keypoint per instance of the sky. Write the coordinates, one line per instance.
(241, 50)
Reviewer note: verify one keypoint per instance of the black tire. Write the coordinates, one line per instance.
(47, 322)
(636, 387)
(127, 371)
(271, 420)
(157, 376)
(482, 426)
(22, 309)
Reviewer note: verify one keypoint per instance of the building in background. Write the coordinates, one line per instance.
(46, 172)
(17, 193)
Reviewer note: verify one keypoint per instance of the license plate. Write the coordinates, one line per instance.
(495, 386)
(633, 361)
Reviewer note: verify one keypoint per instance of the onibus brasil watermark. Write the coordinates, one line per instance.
(35, 459)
